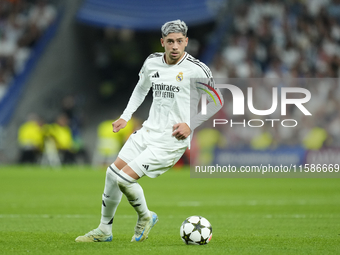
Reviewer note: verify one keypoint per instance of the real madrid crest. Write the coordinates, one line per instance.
(179, 76)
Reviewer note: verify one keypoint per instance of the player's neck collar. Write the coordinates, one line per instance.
(178, 62)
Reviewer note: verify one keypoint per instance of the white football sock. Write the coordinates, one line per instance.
(110, 199)
(135, 195)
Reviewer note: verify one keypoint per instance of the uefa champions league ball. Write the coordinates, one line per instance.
(196, 230)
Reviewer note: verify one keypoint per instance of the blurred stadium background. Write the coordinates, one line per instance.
(67, 69)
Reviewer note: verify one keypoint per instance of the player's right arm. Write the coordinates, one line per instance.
(138, 95)
(118, 125)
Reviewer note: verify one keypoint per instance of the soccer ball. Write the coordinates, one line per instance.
(196, 230)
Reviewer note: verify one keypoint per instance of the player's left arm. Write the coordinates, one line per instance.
(181, 131)
(215, 103)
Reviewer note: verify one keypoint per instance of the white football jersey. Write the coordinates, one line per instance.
(171, 98)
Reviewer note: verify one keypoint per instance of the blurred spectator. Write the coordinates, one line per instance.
(234, 53)
(219, 69)
(70, 107)
(262, 141)
(42, 14)
(314, 6)
(289, 55)
(315, 138)
(21, 25)
(61, 134)
(3, 82)
(109, 143)
(7, 50)
(31, 140)
(207, 140)
(334, 9)
(30, 36)
(333, 129)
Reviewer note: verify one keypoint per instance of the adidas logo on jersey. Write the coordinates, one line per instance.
(156, 75)
(146, 167)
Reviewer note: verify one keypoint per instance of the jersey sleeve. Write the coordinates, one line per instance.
(138, 95)
(213, 96)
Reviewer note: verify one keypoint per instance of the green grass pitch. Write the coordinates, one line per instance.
(42, 211)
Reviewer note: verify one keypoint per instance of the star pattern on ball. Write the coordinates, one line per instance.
(186, 221)
(198, 226)
(202, 241)
(186, 237)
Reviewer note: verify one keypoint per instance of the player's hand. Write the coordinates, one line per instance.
(181, 131)
(118, 125)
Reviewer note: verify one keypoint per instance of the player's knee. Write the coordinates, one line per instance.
(111, 177)
(122, 184)
(109, 173)
(124, 181)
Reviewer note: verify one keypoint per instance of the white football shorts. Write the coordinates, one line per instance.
(146, 159)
